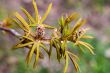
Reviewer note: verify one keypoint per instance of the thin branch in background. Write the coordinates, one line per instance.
(11, 31)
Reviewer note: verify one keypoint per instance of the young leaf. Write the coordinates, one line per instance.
(74, 63)
(72, 17)
(48, 26)
(23, 45)
(22, 27)
(47, 12)
(36, 10)
(78, 24)
(28, 15)
(73, 55)
(50, 50)
(87, 37)
(44, 47)
(28, 38)
(66, 63)
(37, 54)
(29, 57)
(55, 43)
(86, 45)
(22, 20)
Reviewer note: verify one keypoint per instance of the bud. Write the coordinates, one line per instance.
(40, 31)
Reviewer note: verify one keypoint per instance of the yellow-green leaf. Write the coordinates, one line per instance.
(48, 26)
(46, 13)
(44, 47)
(36, 10)
(55, 43)
(22, 20)
(28, 38)
(78, 24)
(74, 63)
(86, 45)
(23, 28)
(29, 57)
(23, 45)
(66, 63)
(87, 37)
(75, 56)
(28, 15)
(37, 54)
(50, 50)
(72, 17)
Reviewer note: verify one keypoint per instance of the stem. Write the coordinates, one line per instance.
(11, 31)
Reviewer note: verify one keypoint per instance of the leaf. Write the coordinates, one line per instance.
(80, 48)
(63, 46)
(36, 10)
(72, 17)
(22, 20)
(29, 56)
(28, 38)
(47, 12)
(78, 24)
(50, 50)
(28, 15)
(74, 63)
(87, 37)
(66, 63)
(23, 45)
(23, 28)
(48, 26)
(89, 47)
(19, 42)
(57, 49)
(37, 54)
(61, 22)
(44, 47)
(41, 56)
(75, 56)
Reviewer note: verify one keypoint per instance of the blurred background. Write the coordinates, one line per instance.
(97, 13)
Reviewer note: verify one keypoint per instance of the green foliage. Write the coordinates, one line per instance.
(35, 40)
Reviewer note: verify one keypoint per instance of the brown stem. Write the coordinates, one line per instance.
(11, 31)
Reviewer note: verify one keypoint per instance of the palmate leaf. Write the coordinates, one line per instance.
(66, 62)
(30, 53)
(88, 46)
(36, 11)
(22, 20)
(37, 54)
(28, 15)
(46, 13)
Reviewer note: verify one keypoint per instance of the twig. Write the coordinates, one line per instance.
(11, 31)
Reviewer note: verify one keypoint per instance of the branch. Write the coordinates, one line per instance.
(11, 31)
